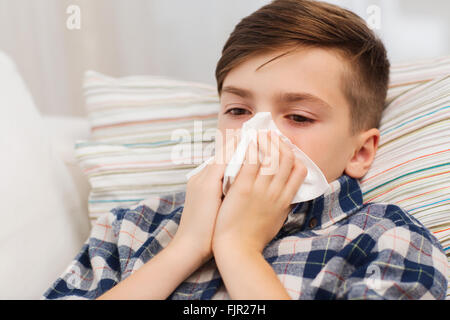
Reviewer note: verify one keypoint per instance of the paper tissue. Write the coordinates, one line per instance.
(315, 183)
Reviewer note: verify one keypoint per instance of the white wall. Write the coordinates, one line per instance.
(410, 29)
(177, 38)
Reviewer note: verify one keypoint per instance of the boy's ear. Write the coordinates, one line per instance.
(366, 145)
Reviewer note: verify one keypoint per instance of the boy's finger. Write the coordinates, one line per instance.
(296, 179)
(287, 160)
(223, 153)
(251, 164)
(269, 146)
(226, 150)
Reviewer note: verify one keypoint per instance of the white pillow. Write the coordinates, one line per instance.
(41, 227)
(63, 132)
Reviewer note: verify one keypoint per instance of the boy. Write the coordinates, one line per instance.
(323, 75)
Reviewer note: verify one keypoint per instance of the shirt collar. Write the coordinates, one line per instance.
(343, 198)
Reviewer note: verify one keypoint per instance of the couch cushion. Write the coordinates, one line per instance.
(42, 224)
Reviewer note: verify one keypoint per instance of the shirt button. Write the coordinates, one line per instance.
(312, 223)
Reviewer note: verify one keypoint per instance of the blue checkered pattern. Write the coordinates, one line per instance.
(332, 247)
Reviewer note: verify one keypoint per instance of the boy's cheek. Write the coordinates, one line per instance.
(322, 157)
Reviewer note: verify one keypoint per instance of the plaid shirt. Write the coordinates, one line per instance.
(332, 247)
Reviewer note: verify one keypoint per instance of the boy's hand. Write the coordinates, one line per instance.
(202, 201)
(257, 204)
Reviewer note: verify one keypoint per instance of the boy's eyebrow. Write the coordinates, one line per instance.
(286, 97)
(302, 96)
(237, 91)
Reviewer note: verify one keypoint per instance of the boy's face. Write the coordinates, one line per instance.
(302, 90)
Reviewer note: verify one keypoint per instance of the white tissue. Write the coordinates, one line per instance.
(315, 183)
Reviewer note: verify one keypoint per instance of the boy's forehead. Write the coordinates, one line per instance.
(314, 57)
(315, 71)
(298, 61)
(277, 55)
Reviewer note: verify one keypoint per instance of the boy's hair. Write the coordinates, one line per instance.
(288, 24)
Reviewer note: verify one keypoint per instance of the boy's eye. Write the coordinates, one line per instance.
(236, 111)
(300, 119)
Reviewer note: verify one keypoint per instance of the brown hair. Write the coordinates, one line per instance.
(292, 23)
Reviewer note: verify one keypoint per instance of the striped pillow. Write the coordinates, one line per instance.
(145, 108)
(412, 164)
(141, 133)
(128, 158)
